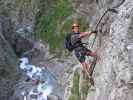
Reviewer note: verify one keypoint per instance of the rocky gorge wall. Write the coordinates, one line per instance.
(9, 23)
(8, 70)
(113, 74)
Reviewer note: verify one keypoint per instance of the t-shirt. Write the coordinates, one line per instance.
(76, 40)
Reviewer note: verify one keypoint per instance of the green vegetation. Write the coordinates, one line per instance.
(85, 85)
(48, 21)
(53, 20)
(75, 95)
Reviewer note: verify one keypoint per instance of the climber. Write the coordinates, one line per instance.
(73, 43)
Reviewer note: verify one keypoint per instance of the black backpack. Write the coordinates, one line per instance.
(67, 43)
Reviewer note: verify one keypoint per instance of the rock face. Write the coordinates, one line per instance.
(113, 73)
(8, 70)
(113, 76)
(9, 73)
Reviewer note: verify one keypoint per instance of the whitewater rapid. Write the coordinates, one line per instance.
(47, 80)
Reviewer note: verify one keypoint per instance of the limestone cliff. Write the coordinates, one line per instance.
(113, 73)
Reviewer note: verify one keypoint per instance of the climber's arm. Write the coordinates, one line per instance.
(83, 34)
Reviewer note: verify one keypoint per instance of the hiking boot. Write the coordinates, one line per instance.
(92, 81)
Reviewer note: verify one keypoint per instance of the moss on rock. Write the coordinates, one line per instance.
(75, 94)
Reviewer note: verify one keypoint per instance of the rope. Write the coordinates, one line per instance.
(113, 10)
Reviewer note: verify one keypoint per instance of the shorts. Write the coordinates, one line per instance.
(81, 54)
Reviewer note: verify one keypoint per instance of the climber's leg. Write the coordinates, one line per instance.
(90, 53)
(86, 52)
(86, 71)
(84, 67)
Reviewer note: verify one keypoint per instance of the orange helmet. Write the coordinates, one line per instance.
(75, 25)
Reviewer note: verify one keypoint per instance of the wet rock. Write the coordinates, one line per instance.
(53, 97)
(22, 45)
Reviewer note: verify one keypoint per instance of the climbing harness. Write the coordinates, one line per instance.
(113, 9)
